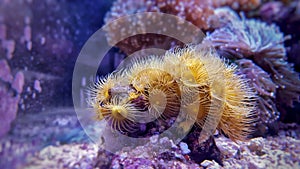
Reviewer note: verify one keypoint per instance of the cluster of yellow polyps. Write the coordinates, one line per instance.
(193, 80)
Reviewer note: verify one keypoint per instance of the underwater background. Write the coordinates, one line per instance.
(40, 41)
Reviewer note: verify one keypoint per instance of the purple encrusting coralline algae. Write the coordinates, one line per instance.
(263, 47)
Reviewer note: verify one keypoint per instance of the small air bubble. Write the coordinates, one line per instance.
(29, 45)
(28, 89)
(43, 40)
(27, 20)
(37, 86)
(23, 107)
(83, 81)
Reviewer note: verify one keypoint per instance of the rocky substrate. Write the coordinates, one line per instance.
(33, 132)
(282, 151)
(56, 140)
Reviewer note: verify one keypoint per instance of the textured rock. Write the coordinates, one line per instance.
(10, 90)
(66, 156)
(153, 155)
(272, 152)
(5, 72)
(8, 108)
(32, 132)
(18, 82)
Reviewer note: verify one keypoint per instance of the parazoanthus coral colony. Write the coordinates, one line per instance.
(193, 80)
(257, 48)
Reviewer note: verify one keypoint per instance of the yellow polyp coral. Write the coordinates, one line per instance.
(120, 114)
(193, 80)
(100, 91)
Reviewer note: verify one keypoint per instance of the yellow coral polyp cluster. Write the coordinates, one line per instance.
(193, 80)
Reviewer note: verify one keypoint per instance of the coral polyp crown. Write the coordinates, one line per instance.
(193, 80)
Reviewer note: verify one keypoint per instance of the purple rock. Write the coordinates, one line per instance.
(2, 31)
(5, 73)
(18, 82)
(9, 96)
(37, 86)
(8, 108)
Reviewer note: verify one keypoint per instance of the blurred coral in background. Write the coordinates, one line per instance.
(201, 13)
(264, 45)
